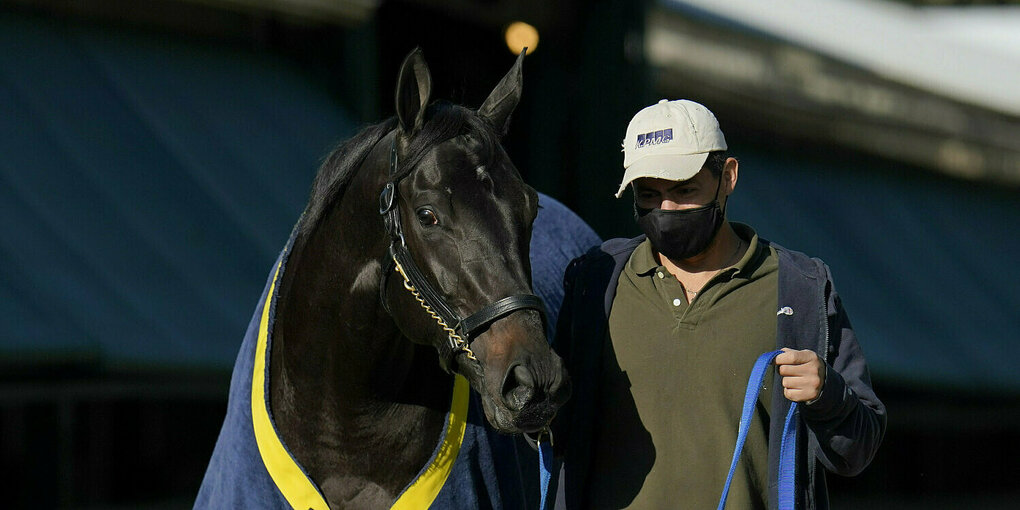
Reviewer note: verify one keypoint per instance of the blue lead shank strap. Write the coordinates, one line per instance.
(545, 462)
(788, 448)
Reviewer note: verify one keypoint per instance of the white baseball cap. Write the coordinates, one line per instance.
(669, 140)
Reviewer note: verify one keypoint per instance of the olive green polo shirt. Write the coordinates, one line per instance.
(672, 385)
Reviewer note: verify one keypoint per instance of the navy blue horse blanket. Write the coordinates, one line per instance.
(472, 465)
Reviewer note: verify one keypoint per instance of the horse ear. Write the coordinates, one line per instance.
(504, 98)
(414, 86)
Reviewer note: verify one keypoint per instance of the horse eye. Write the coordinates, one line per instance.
(427, 217)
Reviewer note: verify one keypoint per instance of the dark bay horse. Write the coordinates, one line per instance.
(415, 242)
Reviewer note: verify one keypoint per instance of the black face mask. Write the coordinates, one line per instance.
(684, 233)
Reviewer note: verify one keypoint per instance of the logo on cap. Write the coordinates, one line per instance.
(654, 138)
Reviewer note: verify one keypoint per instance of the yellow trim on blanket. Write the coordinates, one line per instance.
(423, 491)
(288, 476)
(299, 490)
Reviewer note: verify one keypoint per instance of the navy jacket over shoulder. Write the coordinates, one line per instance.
(844, 427)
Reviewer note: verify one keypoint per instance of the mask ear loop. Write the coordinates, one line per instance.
(718, 186)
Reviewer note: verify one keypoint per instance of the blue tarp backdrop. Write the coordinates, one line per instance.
(926, 266)
(146, 186)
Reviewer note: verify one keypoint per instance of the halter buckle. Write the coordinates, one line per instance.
(387, 198)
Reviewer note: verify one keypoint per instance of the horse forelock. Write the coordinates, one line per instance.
(443, 121)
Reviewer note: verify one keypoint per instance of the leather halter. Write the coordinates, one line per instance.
(460, 331)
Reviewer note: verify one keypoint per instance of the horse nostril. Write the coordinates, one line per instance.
(518, 387)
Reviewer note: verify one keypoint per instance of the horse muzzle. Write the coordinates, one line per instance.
(530, 394)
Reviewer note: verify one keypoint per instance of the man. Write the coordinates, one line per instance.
(660, 333)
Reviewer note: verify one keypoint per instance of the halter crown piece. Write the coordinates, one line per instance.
(459, 330)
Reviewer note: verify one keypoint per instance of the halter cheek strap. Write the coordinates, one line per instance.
(459, 331)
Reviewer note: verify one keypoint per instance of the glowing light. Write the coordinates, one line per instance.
(520, 35)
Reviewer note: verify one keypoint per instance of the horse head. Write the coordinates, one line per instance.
(459, 218)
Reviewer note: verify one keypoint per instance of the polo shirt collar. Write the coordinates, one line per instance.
(750, 261)
(642, 262)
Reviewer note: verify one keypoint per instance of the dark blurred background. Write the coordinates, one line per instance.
(154, 156)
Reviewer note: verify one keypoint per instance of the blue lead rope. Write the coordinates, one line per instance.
(545, 459)
(788, 447)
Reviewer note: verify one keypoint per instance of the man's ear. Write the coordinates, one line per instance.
(414, 86)
(730, 173)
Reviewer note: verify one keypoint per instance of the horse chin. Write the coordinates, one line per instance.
(531, 419)
(499, 417)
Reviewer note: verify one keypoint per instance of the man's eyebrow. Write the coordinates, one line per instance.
(681, 184)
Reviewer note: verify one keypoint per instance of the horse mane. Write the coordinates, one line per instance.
(443, 121)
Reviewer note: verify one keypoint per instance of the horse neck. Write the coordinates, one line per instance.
(336, 352)
(345, 385)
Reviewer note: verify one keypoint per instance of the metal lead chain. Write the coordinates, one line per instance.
(456, 341)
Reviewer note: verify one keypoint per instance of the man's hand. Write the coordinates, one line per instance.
(803, 374)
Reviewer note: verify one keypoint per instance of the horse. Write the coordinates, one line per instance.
(405, 282)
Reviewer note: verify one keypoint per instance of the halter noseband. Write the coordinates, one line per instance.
(459, 331)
